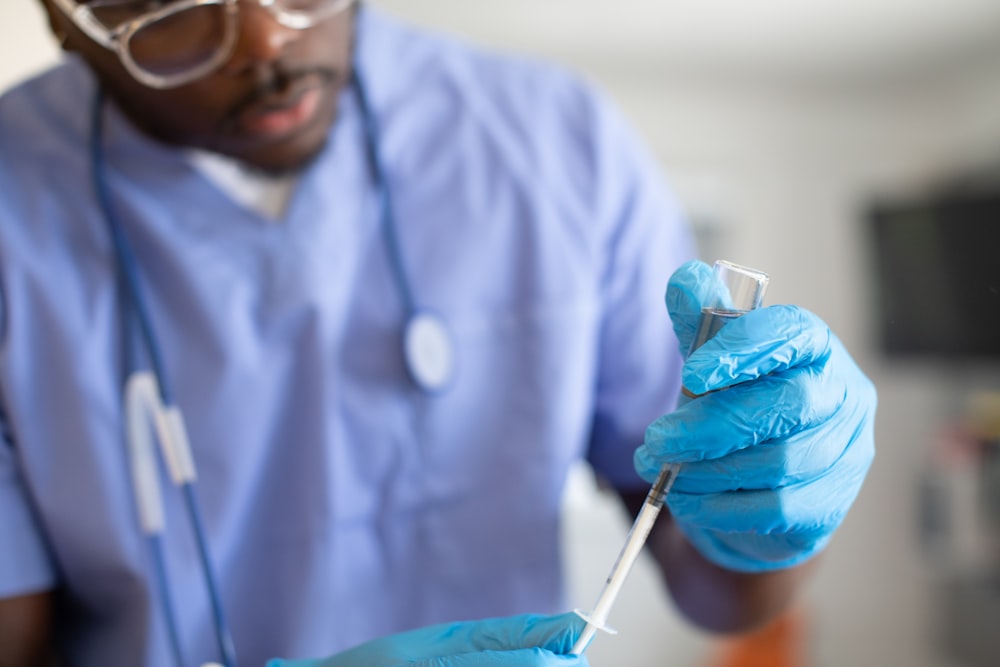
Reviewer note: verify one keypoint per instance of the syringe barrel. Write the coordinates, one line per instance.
(738, 289)
(661, 487)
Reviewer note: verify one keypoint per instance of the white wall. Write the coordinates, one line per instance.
(25, 46)
(778, 168)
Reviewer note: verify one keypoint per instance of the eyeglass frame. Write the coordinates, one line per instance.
(117, 39)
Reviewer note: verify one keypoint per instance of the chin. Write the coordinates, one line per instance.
(291, 153)
(280, 156)
(283, 161)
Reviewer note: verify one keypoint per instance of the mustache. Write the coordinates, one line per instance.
(275, 82)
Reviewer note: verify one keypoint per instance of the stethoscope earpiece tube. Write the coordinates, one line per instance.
(143, 409)
(142, 405)
(123, 254)
(148, 401)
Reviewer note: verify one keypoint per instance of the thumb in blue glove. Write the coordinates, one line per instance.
(771, 465)
(516, 641)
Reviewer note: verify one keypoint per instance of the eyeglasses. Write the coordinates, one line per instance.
(168, 43)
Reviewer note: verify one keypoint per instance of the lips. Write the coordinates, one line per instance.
(281, 114)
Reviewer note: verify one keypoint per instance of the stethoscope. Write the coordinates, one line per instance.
(152, 416)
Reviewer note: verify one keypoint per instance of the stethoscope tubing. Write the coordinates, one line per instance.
(380, 179)
(136, 308)
(423, 328)
(134, 297)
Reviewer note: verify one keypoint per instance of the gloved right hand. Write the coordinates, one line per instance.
(772, 464)
(517, 641)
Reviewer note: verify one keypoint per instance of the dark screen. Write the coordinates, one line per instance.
(937, 277)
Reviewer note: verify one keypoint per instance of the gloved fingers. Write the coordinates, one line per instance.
(528, 657)
(556, 634)
(816, 506)
(693, 286)
(715, 425)
(523, 636)
(742, 552)
(761, 342)
(801, 457)
(769, 465)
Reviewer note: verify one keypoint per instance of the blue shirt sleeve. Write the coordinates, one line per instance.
(25, 566)
(639, 358)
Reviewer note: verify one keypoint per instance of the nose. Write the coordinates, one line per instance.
(261, 39)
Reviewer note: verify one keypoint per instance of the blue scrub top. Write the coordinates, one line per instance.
(341, 502)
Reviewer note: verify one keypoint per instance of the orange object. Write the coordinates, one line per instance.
(780, 643)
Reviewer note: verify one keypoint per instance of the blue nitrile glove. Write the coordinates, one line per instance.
(517, 641)
(772, 464)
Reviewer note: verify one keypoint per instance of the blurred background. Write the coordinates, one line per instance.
(851, 149)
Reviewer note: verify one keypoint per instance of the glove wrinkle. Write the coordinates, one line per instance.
(759, 343)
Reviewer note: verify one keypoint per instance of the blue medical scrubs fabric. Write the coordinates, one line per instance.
(341, 502)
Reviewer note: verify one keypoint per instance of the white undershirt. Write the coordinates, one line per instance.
(262, 193)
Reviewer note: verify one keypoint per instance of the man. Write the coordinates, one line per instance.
(399, 287)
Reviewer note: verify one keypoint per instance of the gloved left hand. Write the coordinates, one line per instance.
(516, 641)
(771, 464)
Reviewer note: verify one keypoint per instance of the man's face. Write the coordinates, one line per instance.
(270, 105)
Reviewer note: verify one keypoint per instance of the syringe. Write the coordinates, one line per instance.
(737, 289)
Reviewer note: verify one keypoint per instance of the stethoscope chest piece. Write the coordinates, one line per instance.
(429, 351)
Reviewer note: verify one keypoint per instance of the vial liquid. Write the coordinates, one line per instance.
(712, 320)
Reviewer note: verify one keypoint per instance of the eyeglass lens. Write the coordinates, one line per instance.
(195, 35)
(182, 41)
